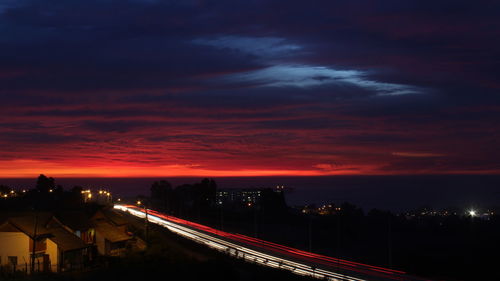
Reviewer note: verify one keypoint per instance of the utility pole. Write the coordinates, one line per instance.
(146, 222)
(33, 251)
(338, 241)
(389, 241)
(256, 229)
(147, 225)
(310, 233)
(222, 217)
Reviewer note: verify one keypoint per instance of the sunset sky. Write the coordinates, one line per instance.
(248, 88)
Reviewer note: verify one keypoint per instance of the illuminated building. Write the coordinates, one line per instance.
(238, 196)
(55, 250)
(247, 197)
(111, 236)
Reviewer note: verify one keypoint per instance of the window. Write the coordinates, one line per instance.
(13, 260)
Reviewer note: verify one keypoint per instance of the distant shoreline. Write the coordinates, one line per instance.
(395, 192)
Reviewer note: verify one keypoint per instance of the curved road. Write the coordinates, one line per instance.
(270, 254)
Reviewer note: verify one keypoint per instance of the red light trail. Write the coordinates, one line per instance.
(310, 263)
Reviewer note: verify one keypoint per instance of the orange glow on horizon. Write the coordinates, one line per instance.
(33, 168)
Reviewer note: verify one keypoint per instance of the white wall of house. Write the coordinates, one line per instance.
(101, 243)
(53, 252)
(15, 244)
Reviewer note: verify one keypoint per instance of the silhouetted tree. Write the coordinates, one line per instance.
(77, 189)
(190, 199)
(75, 197)
(44, 184)
(183, 199)
(272, 201)
(58, 189)
(204, 193)
(161, 195)
(350, 210)
(5, 189)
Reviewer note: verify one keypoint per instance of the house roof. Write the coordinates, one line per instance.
(66, 240)
(46, 227)
(75, 220)
(115, 217)
(110, 232)
(26, 224)
(111, 216)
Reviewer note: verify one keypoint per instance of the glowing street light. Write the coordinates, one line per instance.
(139, 203)
(472, 213)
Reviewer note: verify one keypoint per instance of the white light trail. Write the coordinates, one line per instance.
(239, 251)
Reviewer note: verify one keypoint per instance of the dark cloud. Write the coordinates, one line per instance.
(254, 84)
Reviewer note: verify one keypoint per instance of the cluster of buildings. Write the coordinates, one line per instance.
(324, 210)
(61, 242)
(473, 213)
(246, 197)
(11, 193)
(101, 196)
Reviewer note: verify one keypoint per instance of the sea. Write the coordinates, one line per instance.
(394, 193)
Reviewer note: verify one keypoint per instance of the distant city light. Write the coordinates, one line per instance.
(472, 213)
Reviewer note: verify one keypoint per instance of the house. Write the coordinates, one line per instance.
(79, 224)
(110, 240)
(111, 236)
(111, 216)
(40, 242)
(105, 230)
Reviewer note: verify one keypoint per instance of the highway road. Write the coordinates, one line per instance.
(270, 254)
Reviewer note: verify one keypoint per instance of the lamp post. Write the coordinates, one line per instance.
(33, 251)
(222, 216)
(389, 241)
(310, 232)
(139, 203)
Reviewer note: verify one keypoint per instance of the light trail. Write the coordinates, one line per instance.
(267, 253)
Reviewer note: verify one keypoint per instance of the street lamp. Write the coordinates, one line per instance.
(472, 213)
(139, 203)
